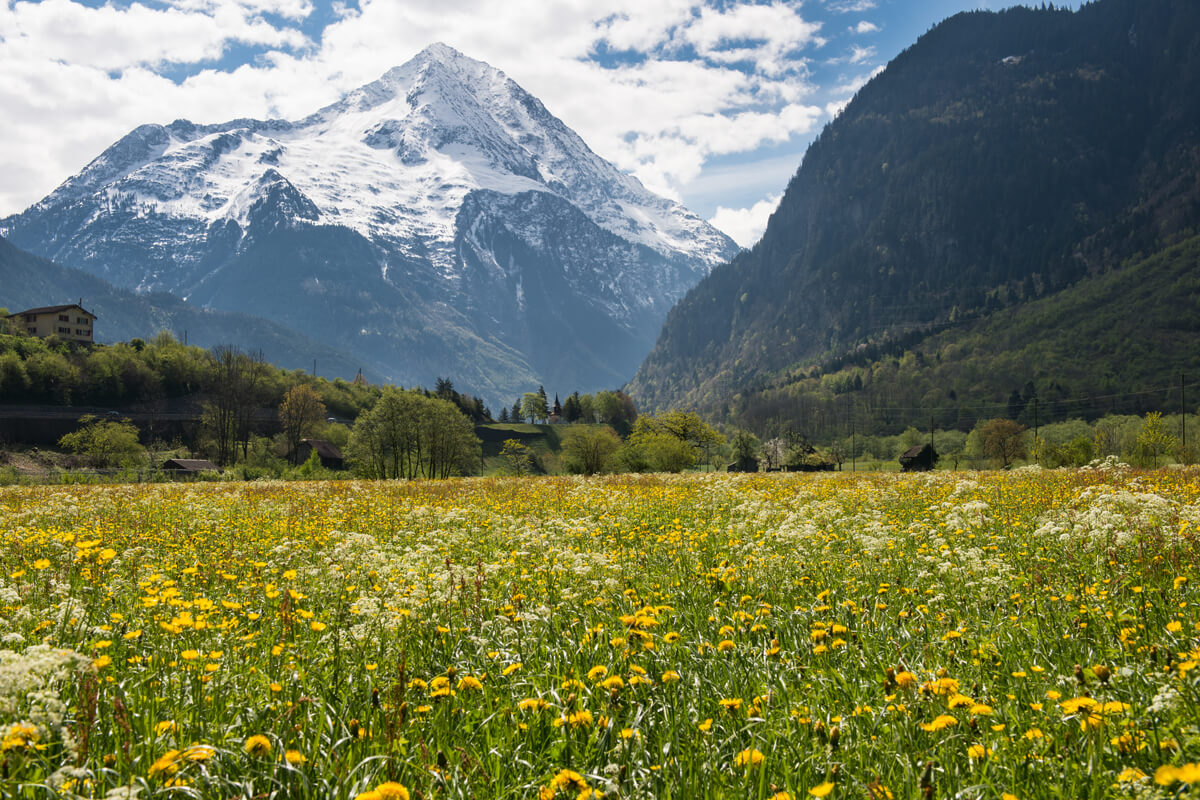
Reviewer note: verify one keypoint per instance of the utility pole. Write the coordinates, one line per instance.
(1037, 448)
(853, 443)
(314, 368)
(1182, 413)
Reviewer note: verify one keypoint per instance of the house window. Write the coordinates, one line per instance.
(32, 329)
(64, 317)
(81, 321)
(64, 330)
(31, 317)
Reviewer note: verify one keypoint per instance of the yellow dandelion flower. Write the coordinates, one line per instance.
(295, 758)
(748, 758)
(597, 673)
(198, 753)
(1073, 705)
(821, 789)
(257, 745)
(392, 791)
(940, 722)
(1131, 775)
(469, 683)
(166, 764)
(568, 780)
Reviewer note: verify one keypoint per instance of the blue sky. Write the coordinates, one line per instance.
(712, 103)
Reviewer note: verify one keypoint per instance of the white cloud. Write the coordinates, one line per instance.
(865, 27)
(762, 34)
(288, 9)
(78, 78)
(861, 54)
(111, 38)
(852, 6)
(745, 225)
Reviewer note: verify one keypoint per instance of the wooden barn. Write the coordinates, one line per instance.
(331, 457)
(189, 466)
(919, 458)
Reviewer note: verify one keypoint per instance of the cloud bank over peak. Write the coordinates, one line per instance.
(661, 89)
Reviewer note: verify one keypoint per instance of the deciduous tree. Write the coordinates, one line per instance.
(1154, 439)
(533, 407)
(590, 450)
(300, 412)
(516, 454)
(409, 435)
(105, 443)
(1004, 440)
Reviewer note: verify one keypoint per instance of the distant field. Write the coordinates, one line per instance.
(993, 635)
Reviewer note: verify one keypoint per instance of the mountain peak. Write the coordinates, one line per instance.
(440, 51)
(442, 188)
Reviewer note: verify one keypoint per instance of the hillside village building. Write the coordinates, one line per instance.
(72, 322)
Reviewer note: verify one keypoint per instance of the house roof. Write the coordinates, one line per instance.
(52, 310)
(190, 464)
(913, 451)
(324, 449)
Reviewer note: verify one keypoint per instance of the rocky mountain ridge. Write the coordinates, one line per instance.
(436, 221)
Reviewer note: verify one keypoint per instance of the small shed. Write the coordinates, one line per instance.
(748, 464)
(919, 458)
(331, 457)
(189, 466)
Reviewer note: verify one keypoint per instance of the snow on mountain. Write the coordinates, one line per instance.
(416, 163)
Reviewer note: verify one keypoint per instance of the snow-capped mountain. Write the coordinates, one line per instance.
(438, 221)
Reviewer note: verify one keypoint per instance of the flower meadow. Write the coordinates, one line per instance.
(992, 635)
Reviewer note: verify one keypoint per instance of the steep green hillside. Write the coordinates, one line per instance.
(1094, 348)
(1002, 158)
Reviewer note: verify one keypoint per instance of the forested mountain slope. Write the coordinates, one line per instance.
(1111, 343)
(1002, 158)
(27, 281)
